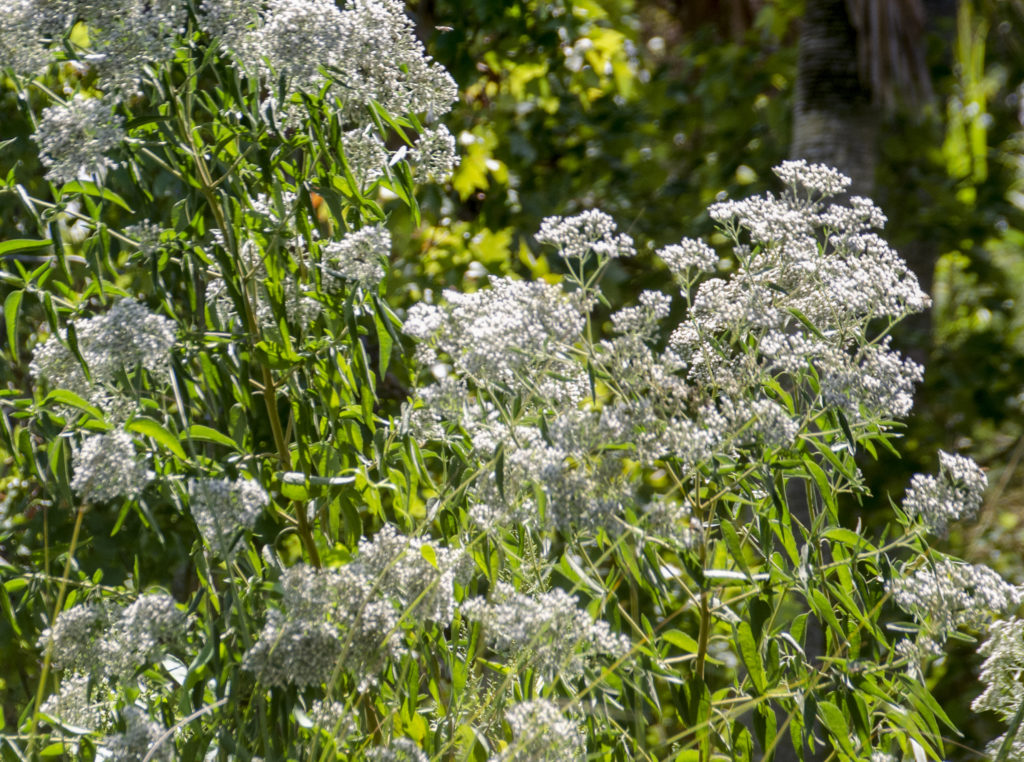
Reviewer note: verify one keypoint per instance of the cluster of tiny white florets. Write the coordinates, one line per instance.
(589, 232)
(495, 335)
(123, 36)
(541, 733)
(142, 738)
(146, 235)
(222, 509)
(1002, 670)
(109, 640)
(689, 254)
(350, 618)
(548, 630)
(356, 257)
(957, 492)
(948, 595)
(124, 338)
(106, 466)
(75, 138)
(645, 319)
(21, 45)
(365, 153)
(434, 155)
(368, 47)
(73, 705)
(399, 750)
(817, 179)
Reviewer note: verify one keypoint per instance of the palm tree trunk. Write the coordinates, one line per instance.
(835, 119)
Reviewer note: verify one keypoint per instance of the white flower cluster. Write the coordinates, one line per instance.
(223, 509)
(73, 705)
(139, 740)
(495, 336)
(592, 231)
(356, 257)
(111, 641)
(689, 254)
(365, 154)
(548, 631)
(126, 337)
(123, 36)
(399, 750)
(434, 155)
(947, 595)
(1002, 670)
(369, 48)
(351, 617)
(540, 733)
(75, 138)
(106, 466)
(815, 178)
(957, 492)
(809, 267)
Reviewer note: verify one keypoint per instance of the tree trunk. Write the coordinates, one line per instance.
(835, 120)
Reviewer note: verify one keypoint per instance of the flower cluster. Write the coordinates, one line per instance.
(957, 492)
(689, 254)
(113, 641)
(548, 630)
(948, 594)
(434, 155)
(368, 48)
(540, 733)
(106, 466)
(592, 231)
(126, 337)
(495, 336)
(1002, 669)
(75, 138)
(350, 618)
(356, 257)
(222, 509)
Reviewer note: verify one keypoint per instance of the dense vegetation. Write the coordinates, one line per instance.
(508, 405)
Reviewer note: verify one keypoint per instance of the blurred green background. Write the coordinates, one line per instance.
(652, 109)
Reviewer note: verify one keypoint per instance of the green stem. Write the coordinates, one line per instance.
(48, 656)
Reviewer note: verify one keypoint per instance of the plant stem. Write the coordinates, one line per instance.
(48, 656)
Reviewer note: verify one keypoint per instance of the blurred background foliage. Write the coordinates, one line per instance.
(650, 110)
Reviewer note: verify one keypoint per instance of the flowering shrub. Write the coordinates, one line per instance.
(503, 527)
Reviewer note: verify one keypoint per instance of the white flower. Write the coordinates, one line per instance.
(540, 733)
(75, 138)
(106, 466)
(590, 231)
(957, 492)
(434, 155)
(819, 179)
(356, 257)
(222, 509)
(549, 628)
(689, 253)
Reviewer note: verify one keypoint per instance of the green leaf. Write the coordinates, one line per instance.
(18, 245)
(206, 434)
(681, 640)
(11, 305)
(751, 655)
(385, 343)
(90, 188)
(834, 719)
(150, 428)
(849, 537)
(65, 397)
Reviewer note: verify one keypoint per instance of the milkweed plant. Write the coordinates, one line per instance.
(518, 523)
